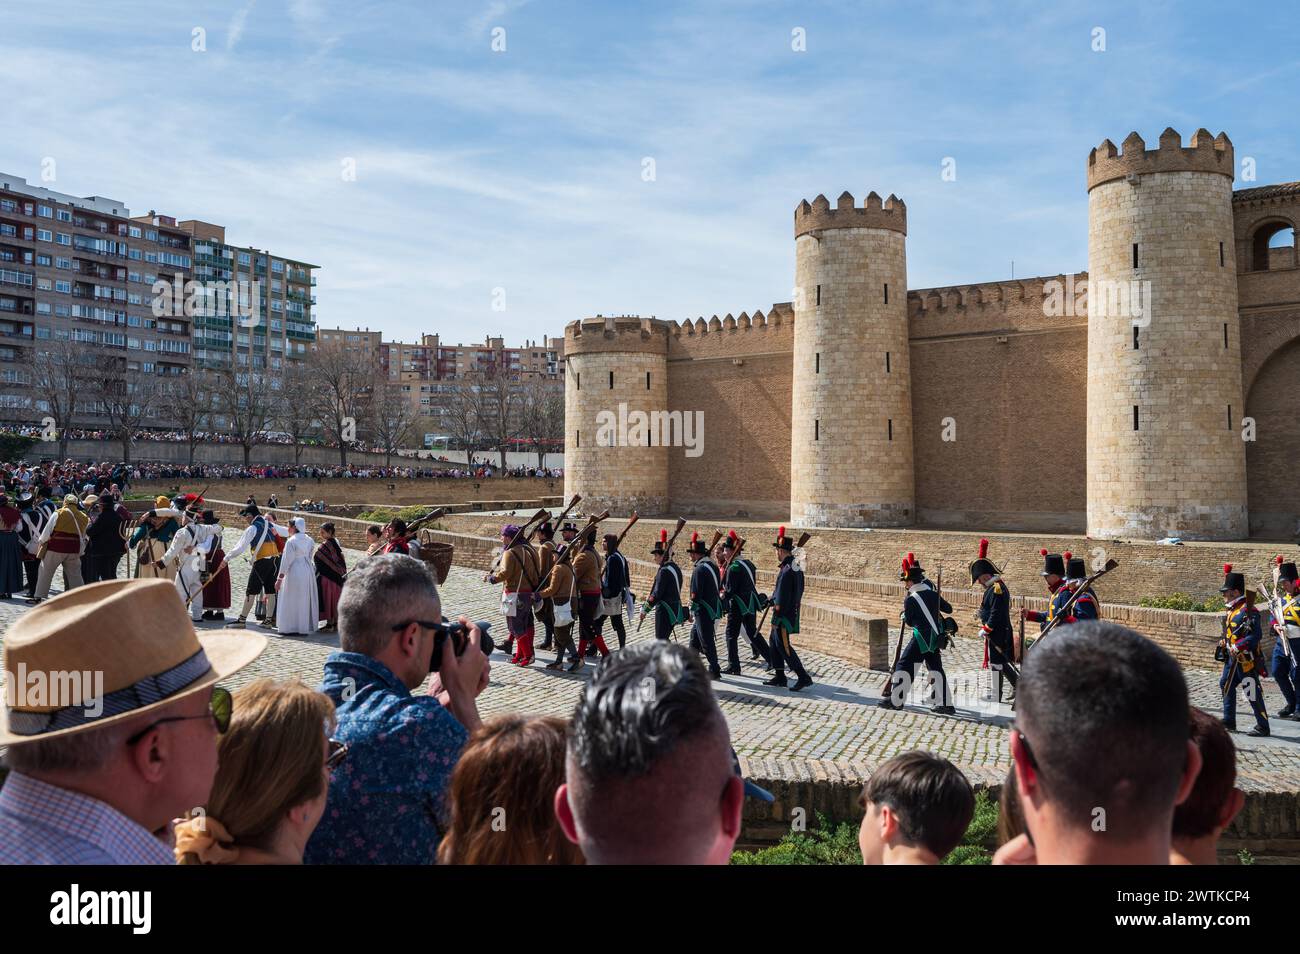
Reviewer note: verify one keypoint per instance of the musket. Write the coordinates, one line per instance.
(577, 499)
(566, 557)
(518, 535)
(1074, 597)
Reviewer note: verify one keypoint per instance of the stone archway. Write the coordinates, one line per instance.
(1272, 461)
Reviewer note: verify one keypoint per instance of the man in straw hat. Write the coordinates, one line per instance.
(111, 716)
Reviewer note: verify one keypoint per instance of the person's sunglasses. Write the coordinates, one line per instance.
(436, 627)
(220, 707)
(338, 752)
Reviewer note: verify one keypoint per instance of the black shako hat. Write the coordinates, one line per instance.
(982, 564)
(1053, 564)
(1232, 581)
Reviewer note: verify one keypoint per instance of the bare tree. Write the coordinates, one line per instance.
(59, 369)
(391, 419)
(190, 401)
(295, 411)
(124, 396)
(247, 402)
(342, 384)
(501, 402)
(541, 415)
(462, 419)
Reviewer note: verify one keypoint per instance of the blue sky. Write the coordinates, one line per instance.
(522, 170)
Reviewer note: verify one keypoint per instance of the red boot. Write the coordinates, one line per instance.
(582, 648)
(601, 647)
(526, 649)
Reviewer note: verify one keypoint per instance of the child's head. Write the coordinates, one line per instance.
(917, 806)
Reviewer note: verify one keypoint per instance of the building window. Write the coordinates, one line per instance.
(817, 363)
(817, 430)
(611, 380)
(1225, 334)
(819, 295)
(1229, 417)
(1135, 254)
(1135, 337)
(647, 380)
(891, 428)
(1221, 255)
(886, 293)
(886, 362)
(1135, 417)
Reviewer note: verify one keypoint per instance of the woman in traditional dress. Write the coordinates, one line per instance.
(331, 571)
(297, 609)
(11, 551)
(153, 535)
(216, 595)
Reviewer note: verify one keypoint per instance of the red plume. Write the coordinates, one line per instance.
(1227, 568)
(731, 535)
(695, 536)
(1279, 559)
(911, 558)
(780, 532)
(906, 565)
(984, 548)
(663, 536)
(1066, 555)
(1043, 552)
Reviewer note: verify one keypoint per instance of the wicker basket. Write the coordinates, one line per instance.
(437, 554)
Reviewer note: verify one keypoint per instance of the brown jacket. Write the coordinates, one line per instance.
(560, 587)
(518, 570)
(546, 554)
(586, 567)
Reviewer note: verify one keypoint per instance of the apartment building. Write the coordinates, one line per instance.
(431, 372)
(84, 269)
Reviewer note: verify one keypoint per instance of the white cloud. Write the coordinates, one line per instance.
(237, 23)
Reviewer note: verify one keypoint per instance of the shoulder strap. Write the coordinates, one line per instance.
(934, 628)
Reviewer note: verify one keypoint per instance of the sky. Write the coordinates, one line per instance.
(504, 167)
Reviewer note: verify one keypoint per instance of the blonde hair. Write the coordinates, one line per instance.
(512, 765)
(271, 759)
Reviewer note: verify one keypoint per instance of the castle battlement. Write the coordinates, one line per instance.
(874, 213)
(778, 315)
(989, 294)
(1207, 153)
(617, 333)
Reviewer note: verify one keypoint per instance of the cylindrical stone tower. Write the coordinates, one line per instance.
(1165, 452)
(851, 409)
(615, 409)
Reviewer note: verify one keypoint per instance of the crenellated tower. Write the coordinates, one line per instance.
(1164, 441)
(616, 372)
(851, 415)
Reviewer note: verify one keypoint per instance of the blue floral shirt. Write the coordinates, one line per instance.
(386, 798)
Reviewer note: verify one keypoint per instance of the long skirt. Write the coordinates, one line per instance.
(297, 610)
(11, 563)
(216, 595)
(329, 598)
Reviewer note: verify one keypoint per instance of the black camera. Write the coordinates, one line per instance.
(458, 633)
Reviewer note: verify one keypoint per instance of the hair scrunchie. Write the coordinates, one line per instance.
(206, 839)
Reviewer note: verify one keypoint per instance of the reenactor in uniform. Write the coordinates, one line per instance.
(995, 618)
(1053, 575)
(1240, 651)
(1085, 607)
(518, 575)
(923, 610)
(706, 603)
(546, 557)
(666, 593)
(568, 531)
(558, 594)
(613, 583)
(740, 595)
(1284, 666)
(587, 572)
(787, 595)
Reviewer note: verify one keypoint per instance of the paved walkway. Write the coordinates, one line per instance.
(836, 719)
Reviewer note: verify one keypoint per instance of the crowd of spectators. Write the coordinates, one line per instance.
(371, 768)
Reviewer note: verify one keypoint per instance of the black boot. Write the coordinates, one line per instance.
(1286, 710)
(802, 683)
(1259, 732)
(775, 681)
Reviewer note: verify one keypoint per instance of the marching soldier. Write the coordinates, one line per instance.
(787, 595)
(1241, 638)
(613, 583)
(568, 531)
(706, 603)
(587, 573)
(995, 619)
(546, 557)
(1053, 575)
(741, 598)
(1284, 666)
(923, 610)
(518, 576)
(666, 592)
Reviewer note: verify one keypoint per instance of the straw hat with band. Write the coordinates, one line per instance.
(137, 633)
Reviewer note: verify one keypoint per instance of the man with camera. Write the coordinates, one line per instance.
(387, 799)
